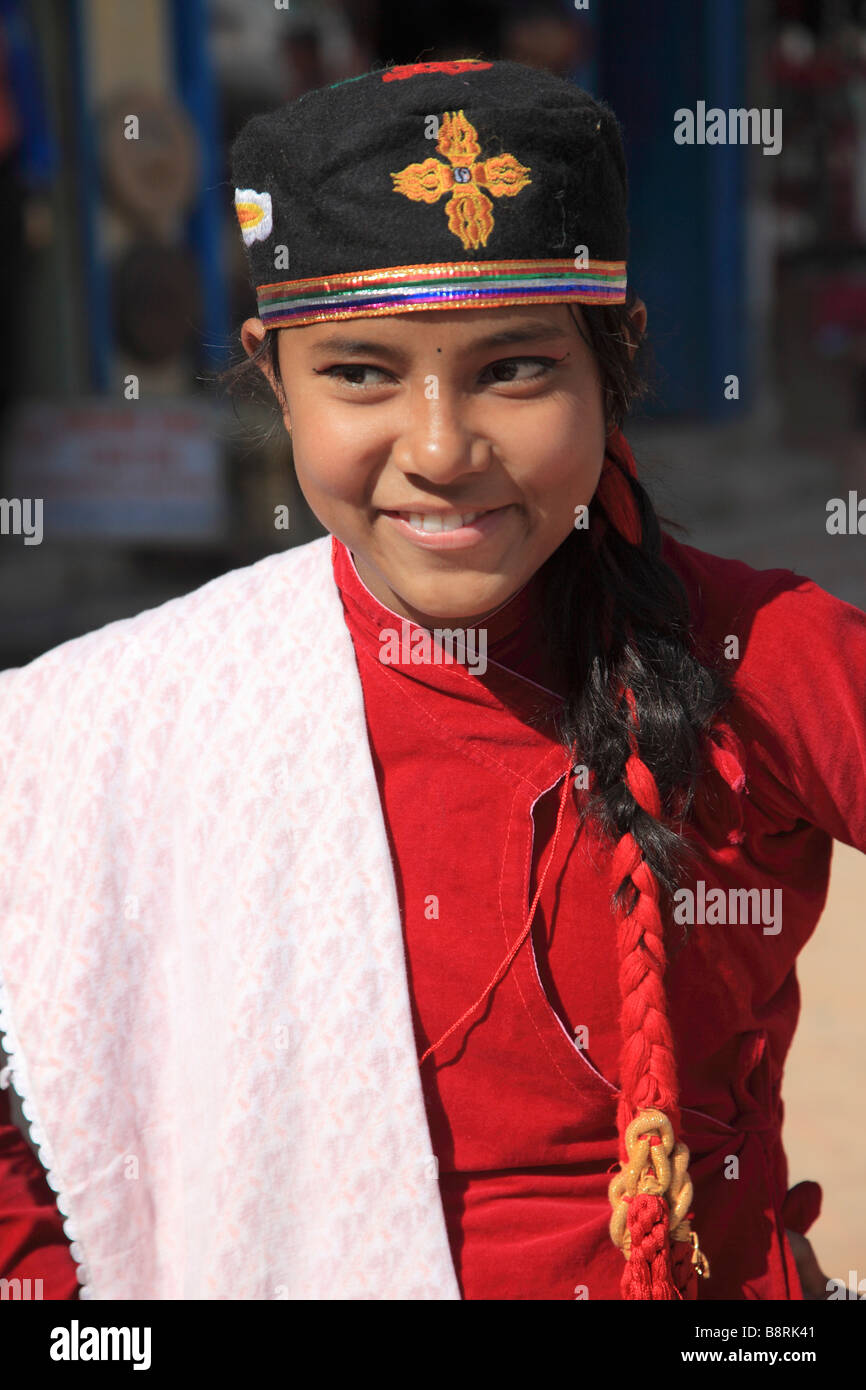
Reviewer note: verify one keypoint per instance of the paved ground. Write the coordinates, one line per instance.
(746, 493)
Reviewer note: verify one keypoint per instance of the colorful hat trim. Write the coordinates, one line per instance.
(446, 285)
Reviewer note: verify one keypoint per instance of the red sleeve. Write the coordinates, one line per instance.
(32, 1243)
(802, 670)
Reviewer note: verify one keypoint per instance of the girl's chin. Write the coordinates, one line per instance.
(455, 600)
(464, 610)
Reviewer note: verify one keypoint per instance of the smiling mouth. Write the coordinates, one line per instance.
(432, 522)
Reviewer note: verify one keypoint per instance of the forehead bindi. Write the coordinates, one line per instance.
(360, 341)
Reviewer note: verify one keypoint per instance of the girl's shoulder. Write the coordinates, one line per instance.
(796, 655)
(770, 612)
(720, 587)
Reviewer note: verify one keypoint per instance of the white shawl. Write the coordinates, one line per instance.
(202, 980)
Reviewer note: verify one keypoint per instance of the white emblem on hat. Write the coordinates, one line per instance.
(254, 214)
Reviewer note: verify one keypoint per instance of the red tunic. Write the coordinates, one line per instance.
(32, 1243)
(522, 1119)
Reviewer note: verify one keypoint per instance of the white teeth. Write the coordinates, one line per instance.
(426, 522)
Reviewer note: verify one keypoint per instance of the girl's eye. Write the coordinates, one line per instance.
(505, 372)
(508, 365)
(346, 371)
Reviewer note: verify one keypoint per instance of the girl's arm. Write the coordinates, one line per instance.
(804, 666)
(812, 1278)
(804, 670)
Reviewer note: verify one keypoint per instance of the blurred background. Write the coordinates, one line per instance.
(122, 279)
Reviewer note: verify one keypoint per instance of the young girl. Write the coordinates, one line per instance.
(414, 914)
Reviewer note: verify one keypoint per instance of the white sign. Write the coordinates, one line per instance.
(131, 470)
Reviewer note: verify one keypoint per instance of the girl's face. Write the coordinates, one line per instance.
(493, 414)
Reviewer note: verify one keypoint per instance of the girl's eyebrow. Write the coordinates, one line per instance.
(526, 332)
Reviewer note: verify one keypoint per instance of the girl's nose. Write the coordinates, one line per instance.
(438, 443)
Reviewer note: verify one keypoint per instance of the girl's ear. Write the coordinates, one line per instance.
(637, 314)
(253, 336)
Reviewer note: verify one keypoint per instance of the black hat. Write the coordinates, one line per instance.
(446, 185)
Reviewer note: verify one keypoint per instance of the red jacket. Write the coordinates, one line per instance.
(522, 1120)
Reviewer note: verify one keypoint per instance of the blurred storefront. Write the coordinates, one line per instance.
(816, 70)
(125, 283)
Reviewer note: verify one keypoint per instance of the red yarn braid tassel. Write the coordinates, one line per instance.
(613, 491)
(648, 1069)
(648, 1273)
(657, 1267)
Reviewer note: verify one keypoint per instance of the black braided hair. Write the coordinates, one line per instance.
(616, 616)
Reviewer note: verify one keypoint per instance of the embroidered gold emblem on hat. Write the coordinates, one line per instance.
(470, 211)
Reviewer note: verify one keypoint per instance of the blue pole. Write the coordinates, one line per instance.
(97, 305)
(195, 82)
(585, 74)
(725, 169)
